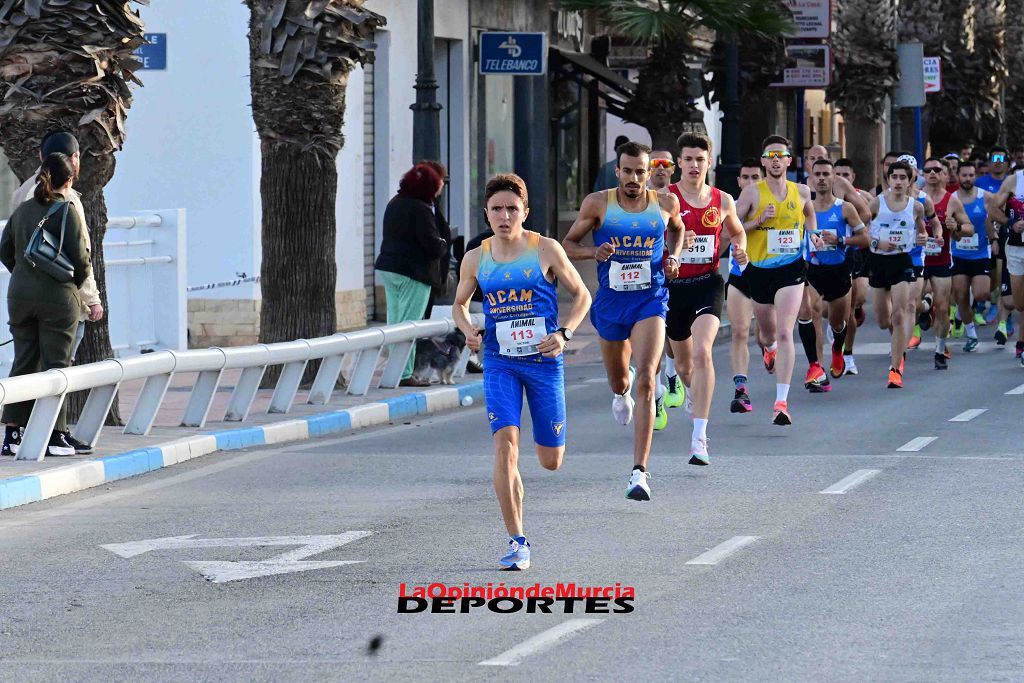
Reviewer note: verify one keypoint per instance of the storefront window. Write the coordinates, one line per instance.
(500, 124)
(567, 160)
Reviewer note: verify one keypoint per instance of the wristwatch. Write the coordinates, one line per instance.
(841, 240)
(874, 244)
(566, 333)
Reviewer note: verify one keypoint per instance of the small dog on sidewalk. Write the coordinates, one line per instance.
(440, 355)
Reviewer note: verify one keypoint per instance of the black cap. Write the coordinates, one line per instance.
(59, 141)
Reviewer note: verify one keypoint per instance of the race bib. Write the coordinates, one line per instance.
(629, 277)
(826, 246)
(702, 251)
(520, 337)
(967, 243)
(933, 247)
(783, 242)
(901, 238)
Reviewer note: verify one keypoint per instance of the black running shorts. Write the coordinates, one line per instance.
(764, 283)
(887, 271)
(689, 298)
(831, 282)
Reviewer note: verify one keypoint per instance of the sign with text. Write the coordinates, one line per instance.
(514, 54)
(932, 74)
(153, 53)
(807, 66)
(811, 18)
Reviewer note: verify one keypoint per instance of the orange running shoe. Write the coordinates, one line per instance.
(914, 342)
(947, 353)
(781, 416)
(815, 375)
(769, 359)
(895, 379)
(903, 361)
(838, 368)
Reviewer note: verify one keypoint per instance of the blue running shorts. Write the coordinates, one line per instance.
(614, 319)
(505, 380)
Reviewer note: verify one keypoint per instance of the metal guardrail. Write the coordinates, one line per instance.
(362, 347)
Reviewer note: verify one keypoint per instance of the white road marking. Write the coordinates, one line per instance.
(1016, 391)
(916, 444)
(847, 483)
(541, 642)
(723, 550)
(968, 415)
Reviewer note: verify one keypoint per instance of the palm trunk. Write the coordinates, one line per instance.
(862, 137)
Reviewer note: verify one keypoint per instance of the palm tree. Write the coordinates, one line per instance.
(670, 30)
(864, 57)
(923, 21)
(1014, 112)
(68, 65)
(301, 52)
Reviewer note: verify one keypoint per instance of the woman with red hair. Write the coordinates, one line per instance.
(410, 248)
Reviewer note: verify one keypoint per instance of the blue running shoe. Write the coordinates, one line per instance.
(971, 345)
(517, 557)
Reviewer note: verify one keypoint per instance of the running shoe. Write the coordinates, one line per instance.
(622, 406)
(979, 319)
(815, 376)
(896, 378)
(940, 362)
(1019, 350)
(971, 345)
(660, 414)
(838, 368)
(830, 336)
(958, 330)
(639, 488)
(858, 315)
(915, 338)
(674, 399)
(12, 440)
(991, 314)
(769, 359)
(517, 557)
(1022, 361)
(924, 319)
(1001, 335)
(781, 414)
(903, 361)
(58, 446)
(699, 452)
(953, 310)
(851, 365)
(821, 387)
(1010, 329)
(81, 448)
(741, 402)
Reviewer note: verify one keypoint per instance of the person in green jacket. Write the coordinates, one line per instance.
(42, 312)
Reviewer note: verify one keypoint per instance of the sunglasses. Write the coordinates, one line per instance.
(775, 154)
(933, 169)
(997, 158)
(661, 163)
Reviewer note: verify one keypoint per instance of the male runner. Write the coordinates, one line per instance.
(886, 162)
(971, 253)
(695, 295)
(991, 182)
(998, 168)
(828, 275)
(740, 308)
(671, 396)
(897, 224)
(1007, 207)
(916, 303)
(517, 271)
(662, 168)
(938, 262)
(841, 187)
(629, 226)
(858, 262)
(783, 211)
(953, 164)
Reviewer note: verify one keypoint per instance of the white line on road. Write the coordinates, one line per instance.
(1016, 391)
(540, 642)
(847, 483)
(968, 415)
(723, 550)
(916, 444)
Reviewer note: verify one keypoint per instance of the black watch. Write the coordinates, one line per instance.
(566, 333)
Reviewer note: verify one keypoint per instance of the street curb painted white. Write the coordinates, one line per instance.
(82, 475)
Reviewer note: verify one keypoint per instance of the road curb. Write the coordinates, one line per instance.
(79, 476)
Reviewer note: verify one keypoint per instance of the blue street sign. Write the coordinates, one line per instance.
(153, 53)
(519, 54)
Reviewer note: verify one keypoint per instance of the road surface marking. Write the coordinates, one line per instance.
(916, 444)
(723, 550)
(541, 642)
(1016, 391)
(847, 483)
(968, 415)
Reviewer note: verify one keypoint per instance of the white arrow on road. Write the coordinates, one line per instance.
(222, 572)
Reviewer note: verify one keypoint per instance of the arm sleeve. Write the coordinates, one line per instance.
(427, 234)
(76, 246)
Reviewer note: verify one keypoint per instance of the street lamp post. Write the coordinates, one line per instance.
(729, 167)
(426, 128)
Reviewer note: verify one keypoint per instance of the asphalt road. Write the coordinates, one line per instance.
(913, 573)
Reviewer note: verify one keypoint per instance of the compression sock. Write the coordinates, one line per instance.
(809, 339)
(839, 336)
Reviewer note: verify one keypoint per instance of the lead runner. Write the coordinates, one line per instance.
(517, 271)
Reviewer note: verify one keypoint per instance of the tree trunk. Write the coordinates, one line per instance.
(862, 149)
(298, 274)
(96, 173)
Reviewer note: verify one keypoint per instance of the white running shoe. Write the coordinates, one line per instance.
(639, 488)
(851, 365)
(699, 452)
(622, 406)
(829, 334)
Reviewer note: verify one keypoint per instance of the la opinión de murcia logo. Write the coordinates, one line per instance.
(562, 598)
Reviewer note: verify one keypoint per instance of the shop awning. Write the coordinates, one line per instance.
(585, 70)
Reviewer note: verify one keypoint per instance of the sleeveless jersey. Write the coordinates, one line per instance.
(943, 258)
(830, 220)
(894, 226)
(635, 269)
(702, 257)
(520, 305)
(976, 246)
(1015, 211)
(779, 241)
